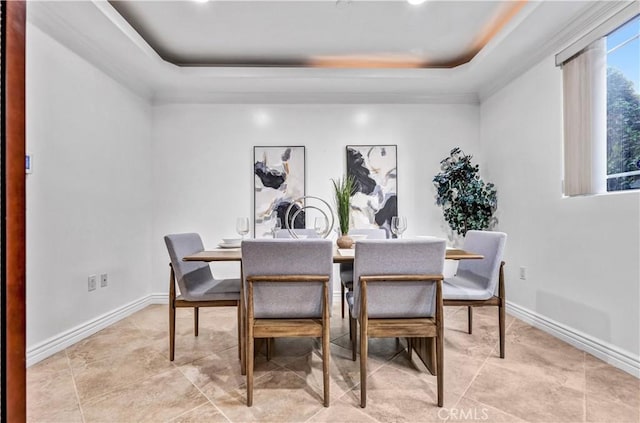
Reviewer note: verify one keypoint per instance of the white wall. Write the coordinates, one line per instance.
(88, 199)
(581, 253)
(203, 160)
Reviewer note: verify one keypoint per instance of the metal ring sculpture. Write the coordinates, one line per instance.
(302, 200)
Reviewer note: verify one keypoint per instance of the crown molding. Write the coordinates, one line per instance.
(163, 98)
(583, 23)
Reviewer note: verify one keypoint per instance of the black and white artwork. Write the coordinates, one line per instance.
(375, 201)
(279, 179)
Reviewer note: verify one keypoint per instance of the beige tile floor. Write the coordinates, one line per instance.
(122, 374)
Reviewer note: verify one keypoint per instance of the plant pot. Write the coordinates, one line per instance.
(344, 241)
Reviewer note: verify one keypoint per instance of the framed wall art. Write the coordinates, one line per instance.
(279, 179)
(375, 202)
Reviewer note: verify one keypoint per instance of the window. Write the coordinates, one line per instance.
(601, 94)
(623, 107)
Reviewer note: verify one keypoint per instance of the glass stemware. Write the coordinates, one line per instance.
(319, 225)
(242, 226)
(398, 225)
(277, 225)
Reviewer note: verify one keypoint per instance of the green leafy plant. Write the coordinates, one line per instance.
(466, 201)
(344, 188)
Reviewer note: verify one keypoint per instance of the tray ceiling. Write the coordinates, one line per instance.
(356, 34)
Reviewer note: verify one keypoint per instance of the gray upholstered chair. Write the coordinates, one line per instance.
(198, 288)
(288, 286)
(397, 292)
(480, 282)
(308, 233)
(346, 269)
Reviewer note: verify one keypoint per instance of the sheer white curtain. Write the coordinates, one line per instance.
(585, 120)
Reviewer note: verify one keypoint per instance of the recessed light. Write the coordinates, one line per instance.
(261, 118)
(361, 118)
(201, 1)
(416, 2)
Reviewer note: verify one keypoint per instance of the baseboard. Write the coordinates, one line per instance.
(603, 350)
(159, 298)
(67, 338)
(608, 353)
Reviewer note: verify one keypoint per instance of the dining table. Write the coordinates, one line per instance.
(424, 347)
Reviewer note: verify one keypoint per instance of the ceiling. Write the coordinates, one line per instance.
(355, 34)
(318, 51)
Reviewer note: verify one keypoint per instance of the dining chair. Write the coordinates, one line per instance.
(288, 286)
(397, 292)
(346, 269)
(198, 287)
(307, 233)
(476, 281)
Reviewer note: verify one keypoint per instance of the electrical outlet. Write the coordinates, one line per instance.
(104, 280)
(523, 273)
(92, 282)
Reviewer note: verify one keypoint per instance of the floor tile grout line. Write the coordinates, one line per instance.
(232, 389)
(75, 387)
(480, 369)
(203, 394)
(190, 410)
(473, 379)
(129, 382)
(498, 409)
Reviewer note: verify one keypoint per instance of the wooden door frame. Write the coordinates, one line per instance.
(13, 212)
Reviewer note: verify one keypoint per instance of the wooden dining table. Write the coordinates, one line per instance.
(424, 347)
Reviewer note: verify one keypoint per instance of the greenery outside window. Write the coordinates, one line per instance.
(623, 107)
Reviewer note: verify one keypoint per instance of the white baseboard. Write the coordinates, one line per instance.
(611, 354)
(603, 350)
(67, 338)
(159, 298)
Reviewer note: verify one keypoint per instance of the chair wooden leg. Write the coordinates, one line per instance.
(326, 354)
(440, 366)
(196, 315)
(342, 298)
(250, 367)
(363, 364)
(409, 348)
(172, 330)
(269, 346)
(172, 312)
(501, 322)
(243, 331)
(239, 332)
(470, 316)
(353, 328)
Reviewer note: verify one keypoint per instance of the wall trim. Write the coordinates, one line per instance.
(595, 15)
(617, 357)
(611, 354)
(69, 337)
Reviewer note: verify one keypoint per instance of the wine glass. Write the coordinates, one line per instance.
(277, 225)
(398, 225)
(242, 226)
(319, 225)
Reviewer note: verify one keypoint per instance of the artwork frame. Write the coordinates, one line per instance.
(279, 178)
(375, 170)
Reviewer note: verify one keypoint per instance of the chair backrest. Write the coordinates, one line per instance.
(398, 257)
(491, 246)
(189, 274)
(287, 257)
(371, 233)
(308, 233)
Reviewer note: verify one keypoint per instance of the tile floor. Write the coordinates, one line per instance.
(123, 374)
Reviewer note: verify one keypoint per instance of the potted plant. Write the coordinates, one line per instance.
(343, 190)
(466, 201)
